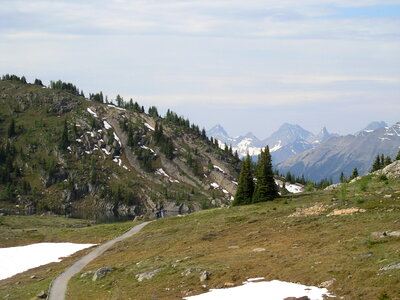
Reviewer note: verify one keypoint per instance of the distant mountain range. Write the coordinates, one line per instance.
(286, 142)
(323, 155)
(344, 153)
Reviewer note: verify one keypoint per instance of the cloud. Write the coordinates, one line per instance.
(250, 19)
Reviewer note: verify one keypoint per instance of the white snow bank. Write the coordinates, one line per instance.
(15, 260)
(215, 185)
(276, 147)
(160, 171)
(219, 169)
(294, 188)
(147, 148)
(117, 138)
(271, 290)
(92, 112)
(106, 124)
(149, 126)
(105, 151)
(116, 107)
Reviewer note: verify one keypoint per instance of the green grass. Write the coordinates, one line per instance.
(22, 230)
(305, 249)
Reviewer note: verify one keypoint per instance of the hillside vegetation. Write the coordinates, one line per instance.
(332, 238)
(346, 239)
(63, 153)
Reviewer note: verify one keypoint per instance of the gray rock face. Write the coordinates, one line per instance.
(204, 276)
(393, 266)
(147, 275)
(102, 272)
(383, 234)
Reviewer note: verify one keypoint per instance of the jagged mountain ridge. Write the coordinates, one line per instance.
(112, 162)
(343, 154)
(287, 141)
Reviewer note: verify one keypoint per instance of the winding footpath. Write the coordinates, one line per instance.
(59, 285)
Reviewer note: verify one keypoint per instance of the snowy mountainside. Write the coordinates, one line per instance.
(287, 141)
(343, 154)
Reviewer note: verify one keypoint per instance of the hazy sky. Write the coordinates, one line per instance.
(249, 65)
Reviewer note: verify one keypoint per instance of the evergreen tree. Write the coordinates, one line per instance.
(354, 174)
(265, 188)
(245, 189)
(64, 137)
(38, 82)
(377, 164)
(11, 129)
(382, 161)
(398, 156)
(342, 177)
(387, 161)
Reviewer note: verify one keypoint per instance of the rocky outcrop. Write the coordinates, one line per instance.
(102, 272)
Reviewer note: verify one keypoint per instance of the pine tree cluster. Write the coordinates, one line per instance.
(262, 187)
(381, 161)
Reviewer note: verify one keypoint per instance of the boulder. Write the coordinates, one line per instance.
(102, 272)
(147, 275)
(42, 295)
(204, 276)
(394, 266)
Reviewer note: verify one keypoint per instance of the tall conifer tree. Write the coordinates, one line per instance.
(245, 190)
(265, 189)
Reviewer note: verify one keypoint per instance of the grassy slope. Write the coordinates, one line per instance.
(305, 249)
(22, 230)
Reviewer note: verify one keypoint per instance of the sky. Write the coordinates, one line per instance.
(248, 65)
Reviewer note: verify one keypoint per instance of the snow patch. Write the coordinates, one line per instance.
(15, 260)
(106, 124)
(294, 188)
(148, 126)
(92, 112)
(147, 148)
(160, 171)
(215, 185)
(276, 147)
(219, 169)
(116, 107)
(105, 151)
(225, 191)
(271, 290)
(117, 138)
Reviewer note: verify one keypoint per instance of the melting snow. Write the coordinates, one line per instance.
(147, 148)
(219, 169)
(15, 260)
(117, 138)
(234, 182)
(116, 107)
(105, 151)
(107, 125)
(79, 140)
(276, 147)
(294, 188)
(160, 171)
(225, 191)
(91, 133)
(271, 290)
(149, 127)
(215, 185)
(92, 112)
